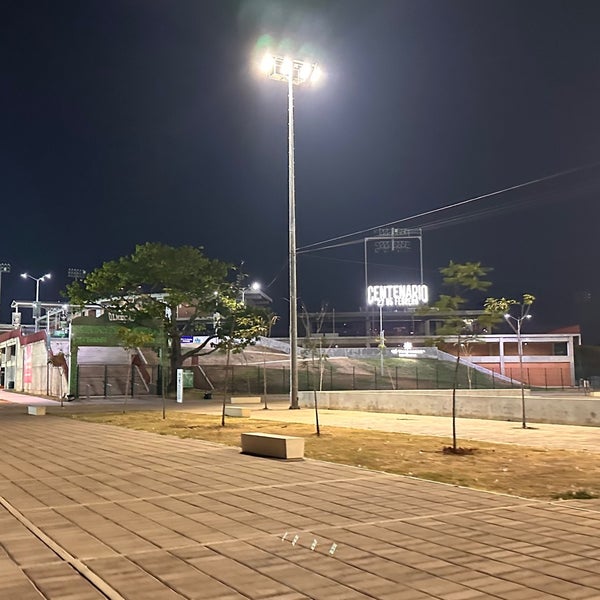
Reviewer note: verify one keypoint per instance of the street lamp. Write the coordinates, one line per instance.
(515, 324)
(36, 311)
(254, 287)
(4, 268)
(294, 72)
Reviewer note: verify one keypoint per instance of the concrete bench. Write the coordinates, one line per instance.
(245, 400)
(273, 445)
(237, 411)
(36, 410)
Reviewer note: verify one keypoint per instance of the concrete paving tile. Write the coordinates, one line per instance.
(155, 516)
(59, 581)
(131, 581)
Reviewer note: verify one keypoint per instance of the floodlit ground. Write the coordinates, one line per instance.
(519, 470)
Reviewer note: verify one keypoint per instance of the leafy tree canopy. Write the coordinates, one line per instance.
(177, 289)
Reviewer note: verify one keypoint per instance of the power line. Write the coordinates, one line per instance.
(313, 247)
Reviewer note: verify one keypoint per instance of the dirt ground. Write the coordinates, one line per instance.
(522, 471)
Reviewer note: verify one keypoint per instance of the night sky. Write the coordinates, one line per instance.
(126, 121)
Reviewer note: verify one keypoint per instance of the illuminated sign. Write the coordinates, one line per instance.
(397, 295)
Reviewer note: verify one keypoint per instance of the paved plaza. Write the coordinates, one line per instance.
(93, 511)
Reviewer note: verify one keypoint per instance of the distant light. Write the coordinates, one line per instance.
(24, 275)
(507, 316)
(529, 316)
(255, 286)
(47, 276)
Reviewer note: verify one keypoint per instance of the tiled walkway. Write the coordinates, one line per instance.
(95, 511)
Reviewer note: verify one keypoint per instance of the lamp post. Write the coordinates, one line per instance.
(515, 324)
(254, 287)
(294, 72)
(4, 268)
(36, 311)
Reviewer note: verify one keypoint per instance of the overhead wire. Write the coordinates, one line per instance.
(318, 246)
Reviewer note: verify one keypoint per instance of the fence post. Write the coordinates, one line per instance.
(283, 378)
(493, 379)
(437, 374)
(396, 377)
(546, 377)
(132, 377)
(330, 377)
(105, 382)
(417, 375)
(376, 383)
(353, 378)
(528, 378)
(77, 381)
(562, 383)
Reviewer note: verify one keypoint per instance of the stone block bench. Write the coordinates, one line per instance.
(237, 411)
(245, 400)
(273, 446)
(36, 410)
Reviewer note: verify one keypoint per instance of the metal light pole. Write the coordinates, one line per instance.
(294, 72)
(381, 338)
(37, 280)
(515, 324)
(254, 287)
(4, 268)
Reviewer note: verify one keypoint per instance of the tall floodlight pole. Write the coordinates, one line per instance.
(294, 72)
(36, 311)
(4, 268)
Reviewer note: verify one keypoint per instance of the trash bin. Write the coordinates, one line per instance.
(208, 395)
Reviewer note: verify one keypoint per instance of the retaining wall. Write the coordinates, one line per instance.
(501, 405)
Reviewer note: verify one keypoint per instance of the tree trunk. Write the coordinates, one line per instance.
(225, 387)
(175, 361)
(454, 385)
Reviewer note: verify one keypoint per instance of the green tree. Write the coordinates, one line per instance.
(177, 290)
(461, 280)
(502, 307)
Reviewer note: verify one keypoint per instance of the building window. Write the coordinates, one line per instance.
(560, 349)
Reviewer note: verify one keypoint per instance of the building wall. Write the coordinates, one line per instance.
(25, 367)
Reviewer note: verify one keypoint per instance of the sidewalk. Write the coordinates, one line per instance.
(91, 511)
(537, 435)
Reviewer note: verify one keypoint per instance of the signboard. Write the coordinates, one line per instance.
(193, 339)
(179, 385)
(397, 295)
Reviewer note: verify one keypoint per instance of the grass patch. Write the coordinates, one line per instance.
(505, 468)
(575, 495)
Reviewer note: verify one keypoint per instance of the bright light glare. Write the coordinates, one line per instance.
(255, 286)
(286, 66)
(266, 64)
(305, 71)
(24, 275)
(317, 74)
(47, 276)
